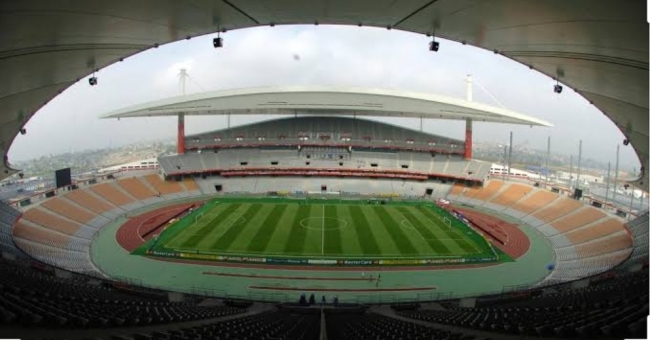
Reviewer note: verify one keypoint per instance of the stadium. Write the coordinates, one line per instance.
(326, 223)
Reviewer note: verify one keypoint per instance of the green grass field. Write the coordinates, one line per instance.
(318, 228)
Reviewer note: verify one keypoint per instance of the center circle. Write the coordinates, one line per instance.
(320, 223)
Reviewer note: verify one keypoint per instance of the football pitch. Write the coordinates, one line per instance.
(322, 228)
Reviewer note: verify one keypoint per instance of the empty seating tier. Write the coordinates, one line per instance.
(511, 194)
(51, 221)
(190, 184)
(472, 191)
(41, 235)
(111, 194)
(489, 190)
(69, 210)
(558, 209)
(577, 219)
(537, 200)
(163, 187)
(136, 188)
(592, 232)
(605, 245)
(90, 202)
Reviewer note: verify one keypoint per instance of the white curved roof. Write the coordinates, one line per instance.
(324, 100)
(596, 47)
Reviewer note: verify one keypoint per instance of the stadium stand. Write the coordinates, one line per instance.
(36, 299)
(84, 198)
(335, 131)
(639, 229)
(533, 202)
(111, 194)
(557, 209)
(136, 188)
(371, 326)
(8, 217)
(68, 210)
(59, 231)
(616, 308)
(587, 241)
(510, 195)
(361, 164)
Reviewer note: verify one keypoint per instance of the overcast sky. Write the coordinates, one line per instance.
(328, 55)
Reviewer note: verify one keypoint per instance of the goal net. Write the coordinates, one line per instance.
(198, 217)
(447, 222)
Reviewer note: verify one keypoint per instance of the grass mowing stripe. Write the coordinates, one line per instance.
(453, 233)
(226, 239)
(402, 242)
(193, 240)
(263, 235)
(333, 241)
(367, 239)
(466, 246)
(438, 246)
(296, 242)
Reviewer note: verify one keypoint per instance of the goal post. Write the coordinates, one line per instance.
(198, 217)
(446, 221)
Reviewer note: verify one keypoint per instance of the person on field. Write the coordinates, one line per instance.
(378, 279)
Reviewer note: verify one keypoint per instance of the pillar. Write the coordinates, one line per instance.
(181, 134)
(468, 138)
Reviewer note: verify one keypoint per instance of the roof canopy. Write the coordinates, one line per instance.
(598, 48)
(318, 100)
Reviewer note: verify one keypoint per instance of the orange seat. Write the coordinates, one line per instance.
(51, 221)
(492, 188)
(88, 201)
(537, 200)
(595, 231)
(136, 188)
(163, 187)
(457, 189)
(511, 194)
(190, 184)
(605, 245)
(557, 209)
(578, 219)
(40, 235)
(111, 194)
(68, 210)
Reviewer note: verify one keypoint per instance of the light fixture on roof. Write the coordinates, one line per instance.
(218, 41)
(92, 80)
(557, 88)
(434, 45)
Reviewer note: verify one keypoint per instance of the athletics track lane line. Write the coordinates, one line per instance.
(351, 290)
(251, 276)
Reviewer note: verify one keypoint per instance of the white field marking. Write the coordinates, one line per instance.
(141, 223)
(314, 255)
(414, 228)
(476, 250)
(406, 223)
(238, 221)
(322, 246)
(446, 239)
(455, 233)
(342, 223)
(207, 217)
